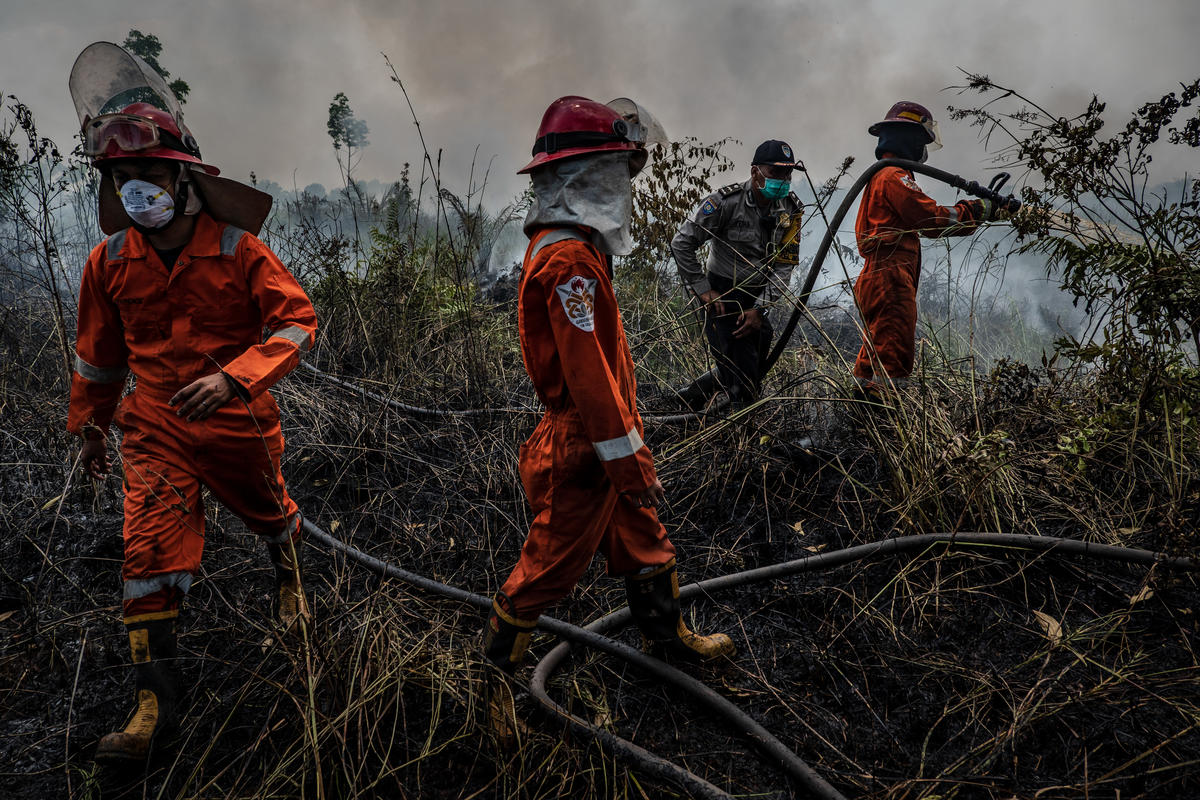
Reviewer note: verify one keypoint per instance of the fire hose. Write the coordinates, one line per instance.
(990, 192)
(771, 748)
(651, 764)
(466, 413)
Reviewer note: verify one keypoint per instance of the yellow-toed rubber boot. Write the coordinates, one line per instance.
(289, 602)
(654, 602)
(152, 644)
(505, 640)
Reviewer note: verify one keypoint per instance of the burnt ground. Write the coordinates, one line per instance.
(914, 677)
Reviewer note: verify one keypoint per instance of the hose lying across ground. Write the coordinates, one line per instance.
(771, 748)
(664, 417)
(592, 635)
(651, 764)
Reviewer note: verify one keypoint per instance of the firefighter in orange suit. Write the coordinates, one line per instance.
(587, 473)
(180, 297)
(892, 215)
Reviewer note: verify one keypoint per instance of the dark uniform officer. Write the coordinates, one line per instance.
(755, 232)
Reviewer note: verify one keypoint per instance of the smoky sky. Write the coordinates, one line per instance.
(480, 74)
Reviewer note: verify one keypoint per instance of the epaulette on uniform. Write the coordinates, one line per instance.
(731, 189)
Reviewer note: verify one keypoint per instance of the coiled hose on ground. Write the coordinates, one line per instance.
(646, 761)
(591, 636)
(768, 746)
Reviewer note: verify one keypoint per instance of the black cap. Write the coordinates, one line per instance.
(775, 153)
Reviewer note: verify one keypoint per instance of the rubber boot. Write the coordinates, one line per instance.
(152, 644)
(697, 394)
(654, 602)
(288, 603)
(505, 640)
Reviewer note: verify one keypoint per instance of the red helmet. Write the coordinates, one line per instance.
(911, 113)
(140, 130)
(575, 126)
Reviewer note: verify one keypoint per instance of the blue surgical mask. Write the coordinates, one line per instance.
(776, 188)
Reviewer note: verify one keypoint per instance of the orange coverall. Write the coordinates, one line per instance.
(170, 328)
(892, 215)
(588, 447)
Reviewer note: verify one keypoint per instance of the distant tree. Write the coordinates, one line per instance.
(344, 128)
(347, 131)
(147, 47)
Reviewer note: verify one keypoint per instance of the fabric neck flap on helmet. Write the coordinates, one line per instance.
(902, 139)
(592, 191)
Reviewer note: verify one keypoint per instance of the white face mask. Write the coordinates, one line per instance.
(147, 204)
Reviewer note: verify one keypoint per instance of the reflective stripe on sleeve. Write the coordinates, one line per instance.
(140, 587)
(620, 447)
(115, 242)
(99, 374)
(230, 238)
(297, 336)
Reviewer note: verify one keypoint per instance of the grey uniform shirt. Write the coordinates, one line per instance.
(756, 249)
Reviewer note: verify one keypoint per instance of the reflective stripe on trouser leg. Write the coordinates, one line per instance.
(164, 509)
(575, 513)
(136, 588)
(290, 531)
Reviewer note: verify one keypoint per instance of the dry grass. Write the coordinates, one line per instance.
(986, 675)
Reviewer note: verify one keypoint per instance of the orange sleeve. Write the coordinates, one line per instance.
(100, 354)
(287, 315)
(583, 314)
(919, 212)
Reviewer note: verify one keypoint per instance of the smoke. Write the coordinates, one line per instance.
(480, 74)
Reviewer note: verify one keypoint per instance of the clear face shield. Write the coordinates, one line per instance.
(935, 141)
(647, 126)
(640, 126)
(106, 79)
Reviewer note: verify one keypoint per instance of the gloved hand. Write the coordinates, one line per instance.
(991, 211)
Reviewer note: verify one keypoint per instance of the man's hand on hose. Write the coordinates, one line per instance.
(750, 322)
(649, 497)
(93, 458)
(713, 300)
(200, 398)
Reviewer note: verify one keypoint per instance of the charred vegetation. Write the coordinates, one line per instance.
(980, 674)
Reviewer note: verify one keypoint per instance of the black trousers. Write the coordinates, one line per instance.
(739, 360)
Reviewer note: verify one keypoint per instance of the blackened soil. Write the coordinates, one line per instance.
(977, 674)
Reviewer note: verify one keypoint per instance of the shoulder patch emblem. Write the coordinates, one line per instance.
(578, 297)
(910, 183)
(708, 207)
